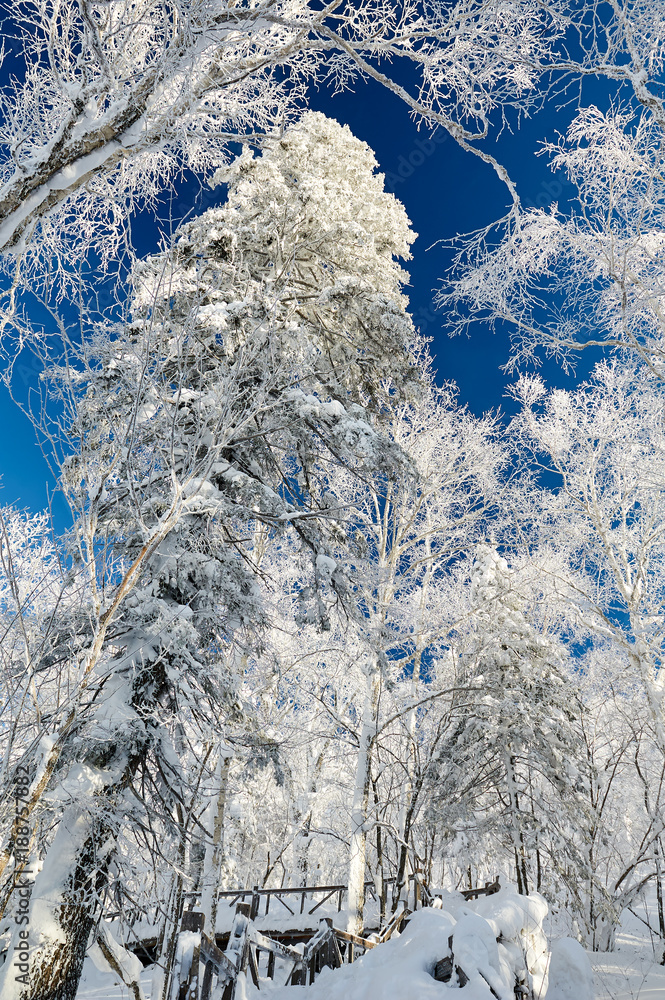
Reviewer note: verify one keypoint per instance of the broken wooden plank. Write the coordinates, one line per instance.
(251, 961)
(323, 949)
(443, 970)
(394, 924)
(354, 939)
(211, 953)
(270, 945)
(487, 890)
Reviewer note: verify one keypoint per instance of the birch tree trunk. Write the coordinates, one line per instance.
(169, 937)
(67, 893)
(359, 811)
(407, 804)
(404, 828)
(214, 852)
(301, 849)
(658, 860)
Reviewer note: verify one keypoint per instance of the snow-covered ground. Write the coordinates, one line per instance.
(630, 973)
(96, 985)
(400, 969)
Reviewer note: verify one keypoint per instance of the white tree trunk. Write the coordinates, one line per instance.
(214, 852)
(301, 842)
(514, 823)
(359, 811)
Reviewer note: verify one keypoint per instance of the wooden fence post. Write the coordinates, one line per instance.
(236, 949)
(192, 922)
(249, 960)
(207, 981)
(299, 973)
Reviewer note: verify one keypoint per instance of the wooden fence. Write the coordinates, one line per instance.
(298, 899)
(253, 953)
(261, 957)
(294, 900)
(296, 956)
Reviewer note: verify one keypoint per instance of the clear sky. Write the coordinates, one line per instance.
(446, 192)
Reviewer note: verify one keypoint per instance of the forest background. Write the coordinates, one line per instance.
(305, 615)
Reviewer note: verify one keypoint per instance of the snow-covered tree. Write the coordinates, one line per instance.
(588, 273)
(165, 85)
(403, 532)
(622, 845)
(601, 532)
(41, 611)
(512, 770)
(256, 359)
(107, 101)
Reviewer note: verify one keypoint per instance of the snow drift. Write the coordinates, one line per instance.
(497, 941)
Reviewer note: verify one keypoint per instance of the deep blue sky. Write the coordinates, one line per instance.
(446, 192)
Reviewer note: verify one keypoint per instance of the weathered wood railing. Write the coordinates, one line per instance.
(487, 890)
(329, 946)
(299, 895)
(300, 953)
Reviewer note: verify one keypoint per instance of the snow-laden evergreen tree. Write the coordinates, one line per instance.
(512, 771)
(257, 356)
(403, 531)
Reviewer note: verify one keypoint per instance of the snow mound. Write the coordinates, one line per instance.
(570, 974)
(476, 952)
(97, 984)
(517, 921)
(401, 969)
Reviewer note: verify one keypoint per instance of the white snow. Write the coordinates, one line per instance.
(627, 976)
(570, 972)
(631, 971)
(325, 566)
(400, 969)
(98, 985)
(476, 952)
(518, 920)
